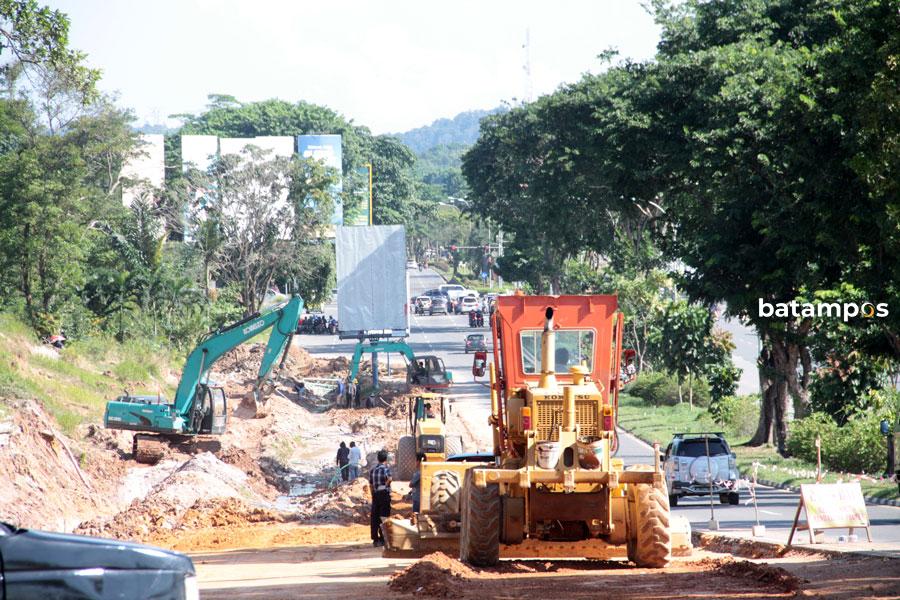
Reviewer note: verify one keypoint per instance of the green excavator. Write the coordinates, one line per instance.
(200, 406)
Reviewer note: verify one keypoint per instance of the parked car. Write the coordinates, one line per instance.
(475, 342)
(689, 472)
(438, 305)
(40, 564)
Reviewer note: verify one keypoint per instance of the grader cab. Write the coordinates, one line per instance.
(553, 488)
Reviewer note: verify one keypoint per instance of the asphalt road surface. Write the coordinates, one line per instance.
(443, 335)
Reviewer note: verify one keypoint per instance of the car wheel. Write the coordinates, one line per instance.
(673, 500)
(734, 498)
(723, 498)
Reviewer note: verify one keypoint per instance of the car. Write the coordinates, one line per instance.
(452, 290)
(411, 264)
(438, 305)
(475, 342)
(467, 304)
(40, 564)
(689, 472)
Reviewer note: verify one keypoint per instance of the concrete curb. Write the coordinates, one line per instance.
(788, 487)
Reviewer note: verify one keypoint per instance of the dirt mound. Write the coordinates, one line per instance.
(163, 494)
(240, 458)
(344, 504)
(745, 548)
(148, 521)
(435, 575)
(42, 486)
(760, 573)
(228, 512)
(243, 362)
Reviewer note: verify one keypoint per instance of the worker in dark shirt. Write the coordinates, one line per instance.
(343, 459)
(380, 485)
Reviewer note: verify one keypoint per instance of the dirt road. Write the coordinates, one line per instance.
(349, 570)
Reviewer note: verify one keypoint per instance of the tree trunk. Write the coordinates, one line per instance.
(680, 399)
(782, 391)
(763, 433)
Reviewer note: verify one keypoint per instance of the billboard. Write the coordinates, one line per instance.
(373, 290)
(326, 148)
(198, 151)
(146, 168)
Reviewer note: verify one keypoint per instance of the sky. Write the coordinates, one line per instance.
(391, 65)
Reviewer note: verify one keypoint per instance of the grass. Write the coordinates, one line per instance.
(75, 387)
(660, 423)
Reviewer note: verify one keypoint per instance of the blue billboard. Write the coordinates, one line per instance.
(326, 148)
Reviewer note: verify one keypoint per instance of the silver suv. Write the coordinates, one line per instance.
(689, 472)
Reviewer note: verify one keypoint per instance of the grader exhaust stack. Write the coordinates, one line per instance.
(548, 351)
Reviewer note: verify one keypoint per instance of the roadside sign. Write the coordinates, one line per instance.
(831, 506)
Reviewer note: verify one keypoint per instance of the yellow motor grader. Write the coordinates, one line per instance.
(551, 487)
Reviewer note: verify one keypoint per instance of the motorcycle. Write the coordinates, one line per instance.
(473, 319)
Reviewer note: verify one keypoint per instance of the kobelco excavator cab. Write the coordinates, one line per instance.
(427, 435)
(555, 486)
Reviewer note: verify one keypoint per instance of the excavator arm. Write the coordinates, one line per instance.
(282, 319)
(190, 407)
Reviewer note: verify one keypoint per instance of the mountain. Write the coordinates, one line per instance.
(460, 130)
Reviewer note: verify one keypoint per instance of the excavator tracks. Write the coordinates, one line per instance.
(148, 449)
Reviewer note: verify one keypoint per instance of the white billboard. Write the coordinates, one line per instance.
(373, 290)
(145, 169)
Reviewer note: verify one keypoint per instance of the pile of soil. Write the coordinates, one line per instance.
(174, 488)
(344, 504)
(746, 548)
(42, 487)
(760, 573)
(149, 521)
(435, 574)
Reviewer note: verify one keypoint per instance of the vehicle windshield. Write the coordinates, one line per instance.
(697, 447)
(476, 337)
(573, 347)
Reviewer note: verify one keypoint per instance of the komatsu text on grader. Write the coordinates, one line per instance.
(552, 487)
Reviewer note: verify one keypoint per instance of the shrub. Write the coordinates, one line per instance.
(856, 447)
(801, 440)
(739, 413)
(661, 389)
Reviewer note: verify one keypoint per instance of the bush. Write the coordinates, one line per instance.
(661, 389)
(856, 447)
(739, 413)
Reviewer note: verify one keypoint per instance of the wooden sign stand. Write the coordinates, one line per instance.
(851, 523)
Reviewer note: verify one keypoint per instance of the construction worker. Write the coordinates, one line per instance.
(355, 458)
(343, 459)
(380, 487)
(429, 411)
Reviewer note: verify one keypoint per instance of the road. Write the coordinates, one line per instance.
(444, 335)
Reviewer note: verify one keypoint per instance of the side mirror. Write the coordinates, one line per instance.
(885, 427)
(733, 455)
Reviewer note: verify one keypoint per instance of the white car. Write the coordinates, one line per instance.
(690, 472)
(468, 304)
(452, 290)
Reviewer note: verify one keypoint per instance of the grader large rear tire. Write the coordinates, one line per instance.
(479, 543)
(445, 492)
(453, 444)
(406, 458)
(649, 537)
